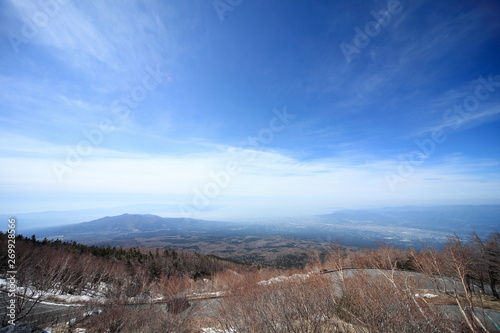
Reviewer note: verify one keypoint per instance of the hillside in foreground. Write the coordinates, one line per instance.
(387, 289)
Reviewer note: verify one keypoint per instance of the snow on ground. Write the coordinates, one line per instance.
(92, 313)
(56, 294)
(207, 294)
(216, 330)
(59, 304)
(284, 278)
(158, 298)
(71, 299)
(426, 295)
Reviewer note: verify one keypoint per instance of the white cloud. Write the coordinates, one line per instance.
(266, 177)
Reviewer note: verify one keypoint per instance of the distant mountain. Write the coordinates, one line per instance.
(128, 226)
(405, 226)
(459, 219)
(36, 220)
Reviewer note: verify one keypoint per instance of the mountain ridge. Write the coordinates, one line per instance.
(129, 224)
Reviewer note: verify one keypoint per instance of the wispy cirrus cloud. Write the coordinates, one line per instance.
(104, 41)
(490, 115)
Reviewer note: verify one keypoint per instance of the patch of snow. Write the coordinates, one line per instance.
(208, 294)
(284, 278)
(80, 330)
(56, 294)
(426, 295)
(217, 330)
(158, 298)
(59, 304)
(92, 313)
(75, 298)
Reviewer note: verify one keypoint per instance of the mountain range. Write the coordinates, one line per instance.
(260, 239)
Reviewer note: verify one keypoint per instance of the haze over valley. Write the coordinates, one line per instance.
(270, 241)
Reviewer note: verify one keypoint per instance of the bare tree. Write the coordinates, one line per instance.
(459, 258)
(431, 263)
(492, 254)
(293, 305)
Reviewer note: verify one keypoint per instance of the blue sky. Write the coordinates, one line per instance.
(248, 108)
